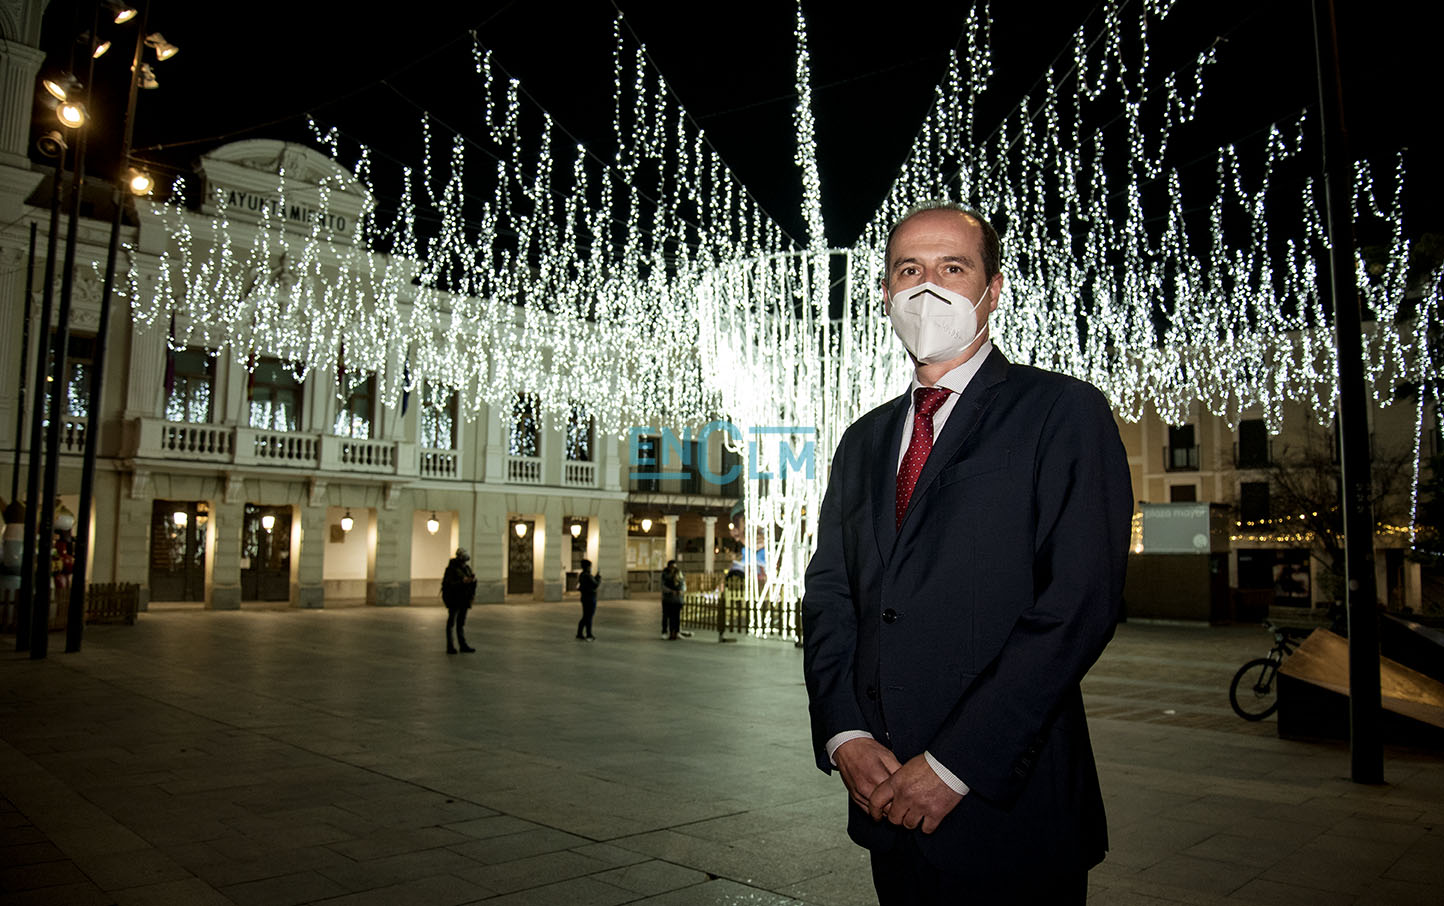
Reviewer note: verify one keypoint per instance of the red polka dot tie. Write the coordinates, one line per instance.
(926, 401)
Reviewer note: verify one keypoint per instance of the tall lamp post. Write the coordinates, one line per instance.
(71, 113)
(123, 181)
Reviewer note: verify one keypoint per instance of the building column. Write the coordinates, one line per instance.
(21, 65)
(308, 554)
(390, 584)
(611, 558)
(671, 544)
(485, 539)
(132, 542)
(549, 532)
(494, 456)
(709, 542)
(223, 591)
(145, 373)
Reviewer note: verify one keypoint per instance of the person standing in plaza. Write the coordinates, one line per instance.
(458, 590)
(969, 571)
(587, 584)
(673, 585)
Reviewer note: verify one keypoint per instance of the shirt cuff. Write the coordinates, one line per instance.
(844, 736)
(946, 776)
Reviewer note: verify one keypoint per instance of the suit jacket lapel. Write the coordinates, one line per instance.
(887, 439)
(960, 424)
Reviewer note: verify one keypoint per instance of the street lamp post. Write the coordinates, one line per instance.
(24, 607)
(44, 586)
(76, 618)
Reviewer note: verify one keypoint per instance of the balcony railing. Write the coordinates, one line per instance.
(355, 455)
(524, 469)
(208, 442)
(282, 448)
(577, 474)
(440, 463)
(72, 434)
(1180, 459)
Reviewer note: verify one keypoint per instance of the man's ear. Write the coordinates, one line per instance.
(995, 287)
(886, 296)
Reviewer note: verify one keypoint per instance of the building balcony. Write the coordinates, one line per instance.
(157, 439)
(438, 463)
(577, 474)
(524, 470)
(1180, 459)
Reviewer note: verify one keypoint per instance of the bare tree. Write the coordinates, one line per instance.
(1305, 488)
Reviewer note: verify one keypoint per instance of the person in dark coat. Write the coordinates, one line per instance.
(673, 584)
(587, 585)
(458, 588)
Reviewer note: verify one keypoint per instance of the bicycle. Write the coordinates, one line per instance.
(1253, 693)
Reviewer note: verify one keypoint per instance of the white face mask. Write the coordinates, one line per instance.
(933, 322)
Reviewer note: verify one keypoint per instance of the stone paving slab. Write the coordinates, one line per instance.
(275, 757)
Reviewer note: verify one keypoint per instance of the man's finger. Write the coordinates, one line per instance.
(881, 798)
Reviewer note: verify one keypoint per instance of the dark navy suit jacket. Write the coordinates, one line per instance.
(966, 632)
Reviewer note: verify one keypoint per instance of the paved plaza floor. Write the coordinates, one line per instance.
(338, 756)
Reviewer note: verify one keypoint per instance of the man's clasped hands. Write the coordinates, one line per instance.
(910, 795)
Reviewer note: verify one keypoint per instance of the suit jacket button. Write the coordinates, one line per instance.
(889, 616)
(871, 693)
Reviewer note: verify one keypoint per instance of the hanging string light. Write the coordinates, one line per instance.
(642, 283)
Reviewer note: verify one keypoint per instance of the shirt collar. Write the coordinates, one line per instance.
(958, 379)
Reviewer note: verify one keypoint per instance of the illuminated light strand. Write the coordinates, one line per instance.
(644, 283)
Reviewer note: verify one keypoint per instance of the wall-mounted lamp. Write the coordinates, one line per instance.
(646, 526)
(347, 523)
(180, 518)
(433, 524)
(268, 522)
(576, 529)
(100, 50)
(521, 529)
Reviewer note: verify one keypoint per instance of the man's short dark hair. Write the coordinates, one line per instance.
(992, 245)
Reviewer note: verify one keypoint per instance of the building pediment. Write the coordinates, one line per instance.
(262, 179)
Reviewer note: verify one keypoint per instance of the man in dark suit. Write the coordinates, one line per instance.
(969, 571)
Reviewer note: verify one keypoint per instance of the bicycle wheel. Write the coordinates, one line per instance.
(1254, 693)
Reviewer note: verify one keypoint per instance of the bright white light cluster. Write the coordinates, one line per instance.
(646, 286)
(1109, 279)
(546, 269)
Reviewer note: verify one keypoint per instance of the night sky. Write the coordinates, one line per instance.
(253, 71)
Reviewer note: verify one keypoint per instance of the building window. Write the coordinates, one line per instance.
(190, 380)
(274, 397)
(1182, 493)
(524, 438)
(80, 353)
(438, 417)
(356, 414)
(1253, 501)
(1253, 444)
(580, 429)
(646, 461)
(1182, 452)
